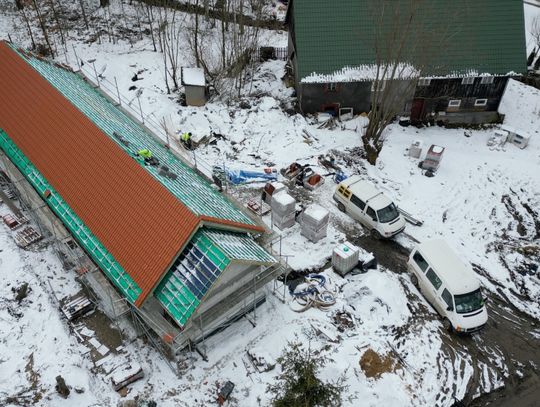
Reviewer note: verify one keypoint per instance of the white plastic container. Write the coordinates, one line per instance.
(345, 257)
(415, 150)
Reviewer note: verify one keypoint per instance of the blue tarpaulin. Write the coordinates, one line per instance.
(242, 176)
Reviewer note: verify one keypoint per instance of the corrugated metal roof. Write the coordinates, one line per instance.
(190, 188)
(137, 219)
(486, 36)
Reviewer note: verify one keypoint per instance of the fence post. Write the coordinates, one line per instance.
(140, 108)
(118, 91)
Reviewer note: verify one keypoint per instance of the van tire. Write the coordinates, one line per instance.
(375, 234)
(341, 207)
(447, 325)
(414, 280)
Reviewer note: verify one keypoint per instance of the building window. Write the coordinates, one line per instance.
(468, 81)
(480, 102)
(454, 103)
(331, 87)
(424, 82)
(379, 84)
(486, 80)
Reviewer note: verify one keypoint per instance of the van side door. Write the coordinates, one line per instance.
(371, 217)
(357, 208)
(432, 291)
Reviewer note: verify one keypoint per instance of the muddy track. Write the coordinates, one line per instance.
(504, 356)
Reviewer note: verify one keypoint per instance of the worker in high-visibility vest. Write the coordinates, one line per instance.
(185, 138)
(144, 153)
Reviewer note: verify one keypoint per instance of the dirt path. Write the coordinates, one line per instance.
(506, 352)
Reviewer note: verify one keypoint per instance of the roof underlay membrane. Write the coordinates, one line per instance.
(201, 263)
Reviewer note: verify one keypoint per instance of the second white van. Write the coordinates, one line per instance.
(449, 285)
(371, 207)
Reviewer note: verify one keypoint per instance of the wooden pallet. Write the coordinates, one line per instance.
(77, 308)
(13, 222)
(27, 236)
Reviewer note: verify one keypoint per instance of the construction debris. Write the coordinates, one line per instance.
(260, 208)
(314, 292)
(261, 361)
(225, 392)
(27, 236)
(77, 307)
(13, 222)
(126, 374)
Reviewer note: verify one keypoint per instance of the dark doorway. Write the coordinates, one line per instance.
(417, 110)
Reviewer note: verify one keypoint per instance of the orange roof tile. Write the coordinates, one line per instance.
(136, 218)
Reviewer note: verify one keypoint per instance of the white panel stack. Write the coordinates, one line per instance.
(314, 223)
(345, 257)
(283, 210)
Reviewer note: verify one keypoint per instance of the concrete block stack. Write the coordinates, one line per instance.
(314, 223)
(283, 210)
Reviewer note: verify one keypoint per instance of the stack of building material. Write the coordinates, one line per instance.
(283, 210)
(314, 223)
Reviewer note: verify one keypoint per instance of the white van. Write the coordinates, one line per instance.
(449, 285)
(365, 203)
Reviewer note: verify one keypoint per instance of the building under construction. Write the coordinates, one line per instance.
(180, 253)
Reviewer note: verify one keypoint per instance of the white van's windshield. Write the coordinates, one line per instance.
(469, 302)
(388, 214)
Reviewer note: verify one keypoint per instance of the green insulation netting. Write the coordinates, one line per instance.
(81, 233)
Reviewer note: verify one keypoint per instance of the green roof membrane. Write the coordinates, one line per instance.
(190, 188)
(81, 233)
(448, 37)
(201, 263)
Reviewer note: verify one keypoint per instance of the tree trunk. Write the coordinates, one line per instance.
(43, 28)
(372, 153)
(83, 12)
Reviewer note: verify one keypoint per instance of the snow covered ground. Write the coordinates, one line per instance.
(484, 201)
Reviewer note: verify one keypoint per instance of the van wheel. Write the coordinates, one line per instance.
(414, 280)
(447, 325)
(375, 234)
(341, 207)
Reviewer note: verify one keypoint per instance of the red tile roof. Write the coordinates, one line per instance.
(136, 218)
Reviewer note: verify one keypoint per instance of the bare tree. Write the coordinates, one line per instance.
(534, 30)
(41, 20)
(406, 41)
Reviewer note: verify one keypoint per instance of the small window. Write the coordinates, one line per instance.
(332, 87)
(424, 82)
(371, 213)
(379, 84)
(420, 261)
(480, 102)
(447, 297)
(468, 81)
(341, 189)
(434, 278)
(486, 80)
(454, 103)
(358, 202)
